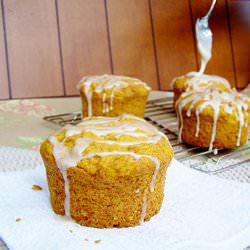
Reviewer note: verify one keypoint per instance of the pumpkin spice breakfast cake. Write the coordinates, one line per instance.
(107, 172)
(112, 95)
(213, 118)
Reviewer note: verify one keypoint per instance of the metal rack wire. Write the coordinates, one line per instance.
(232, 164)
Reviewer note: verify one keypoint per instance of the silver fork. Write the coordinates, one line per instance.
(204, 37)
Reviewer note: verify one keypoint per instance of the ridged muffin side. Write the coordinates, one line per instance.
(116, 182)
(213, 119)
(111, 95)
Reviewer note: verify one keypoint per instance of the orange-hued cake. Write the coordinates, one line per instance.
(111, 95)
(195, 81)
(213, 119)
(107, 172)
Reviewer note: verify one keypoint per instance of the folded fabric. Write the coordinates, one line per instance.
(199, 212)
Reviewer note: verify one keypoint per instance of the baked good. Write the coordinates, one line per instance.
(111, 95)
(107, 172)
(199, 82)
(213, 119)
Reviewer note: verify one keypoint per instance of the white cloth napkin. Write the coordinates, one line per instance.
(198, 212)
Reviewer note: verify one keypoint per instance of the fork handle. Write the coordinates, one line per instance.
(211, 9)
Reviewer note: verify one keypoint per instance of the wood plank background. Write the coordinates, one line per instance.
(4, 87)
(47, 46)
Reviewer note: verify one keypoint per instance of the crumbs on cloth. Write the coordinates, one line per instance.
(36, 188)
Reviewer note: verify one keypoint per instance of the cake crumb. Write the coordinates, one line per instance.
(86, 239)
(97, 241)
(18, 219)
(71, 231)
(37, 188)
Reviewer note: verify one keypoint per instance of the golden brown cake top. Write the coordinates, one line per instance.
(231, 102)
(107, 86)
(99, 83)
(126, 135)
(196, 81)
(125, 129)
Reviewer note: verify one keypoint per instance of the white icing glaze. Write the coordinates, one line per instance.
(199, 82)
(204, 51)
(216, 108)
(103, 103)
(241, 123)
(103, 83)
(101, 127)
(195, 82)
(229, 109)
(144, 206)
(111, 98)
(88, 93)
(204, 39)
(59, 152)
(228, 101)
(69, 157)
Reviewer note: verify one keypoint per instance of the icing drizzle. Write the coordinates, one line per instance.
(228, 101)
(203, 81)
(196, 81)
(136, 128)
(103, 83)
(204, 39)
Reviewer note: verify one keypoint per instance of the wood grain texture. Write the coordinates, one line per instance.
(131, 40)
(84, 40)
(174, 39)
(239, 13)
(52, 42)
(221, 62)
(33, 48)
(4, 89)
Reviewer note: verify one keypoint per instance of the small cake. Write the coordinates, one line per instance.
(196, 81)
(213, 119)
(107, 172)
(111, 95)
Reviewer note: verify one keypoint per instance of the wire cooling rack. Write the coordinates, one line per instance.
(230, 164)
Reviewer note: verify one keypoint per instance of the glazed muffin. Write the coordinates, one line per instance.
(213, 119)
(107, 172)
(194, 81)
(111, 95)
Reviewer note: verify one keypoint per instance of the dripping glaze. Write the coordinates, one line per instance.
(196, 81)
(102, 83)
(228, 101)
(204, 38)
(66, 158)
